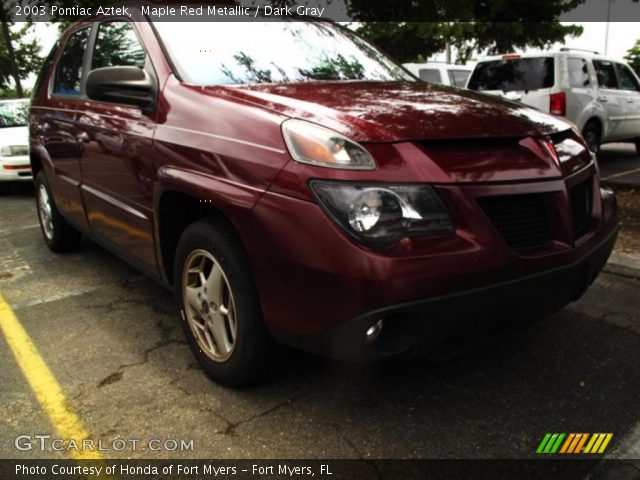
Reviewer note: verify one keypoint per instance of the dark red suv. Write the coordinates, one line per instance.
(290, 182)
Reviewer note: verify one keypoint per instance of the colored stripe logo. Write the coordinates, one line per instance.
(561, 443)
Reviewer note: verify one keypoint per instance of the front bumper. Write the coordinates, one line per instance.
(454, 322)
(14, 169)
(313, 280)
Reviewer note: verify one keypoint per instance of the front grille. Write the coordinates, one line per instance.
(581, 199)
(522, 220)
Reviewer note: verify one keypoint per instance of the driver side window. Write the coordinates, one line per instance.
(68, 76)
(628, 80)
(117, 45)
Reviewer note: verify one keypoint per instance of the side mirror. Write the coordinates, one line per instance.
(125, 85)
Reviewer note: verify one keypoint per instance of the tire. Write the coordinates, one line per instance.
(593, 136)
(58, 234)
(221, 313)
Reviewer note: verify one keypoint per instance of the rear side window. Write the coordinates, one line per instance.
(68, 76)
(606, 73)
(117, 45)
(430, 75)
(459, 77)
(513, 74)
(627, 80)
(578, 72)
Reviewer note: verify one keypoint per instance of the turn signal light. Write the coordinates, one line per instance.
(16, 167)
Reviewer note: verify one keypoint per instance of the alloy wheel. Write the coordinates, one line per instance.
(209, 306)
(44, 209)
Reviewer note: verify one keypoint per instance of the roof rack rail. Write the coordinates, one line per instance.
(569, 49)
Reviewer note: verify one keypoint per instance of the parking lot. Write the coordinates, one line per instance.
(113, 341)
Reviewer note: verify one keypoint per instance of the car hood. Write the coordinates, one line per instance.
(398, 111)
(14, 136)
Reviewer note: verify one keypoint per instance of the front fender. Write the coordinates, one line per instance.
(232, 199)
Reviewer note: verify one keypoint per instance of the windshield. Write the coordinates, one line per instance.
(520, 74)
(14, 113)
(272, 52)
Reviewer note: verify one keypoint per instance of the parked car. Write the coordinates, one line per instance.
(318, 196)
(14, 141)
(599, 94)
(443, 73)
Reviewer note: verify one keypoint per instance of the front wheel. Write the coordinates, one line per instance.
(58, 234)
(221, 313)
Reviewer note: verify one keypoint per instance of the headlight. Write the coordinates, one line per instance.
(14, 150)
(316, 145)
(380, 215)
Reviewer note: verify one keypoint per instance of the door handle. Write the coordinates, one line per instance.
(629, 100)
(603, 99)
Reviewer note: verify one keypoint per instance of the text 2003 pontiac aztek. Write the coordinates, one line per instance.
(292, 183)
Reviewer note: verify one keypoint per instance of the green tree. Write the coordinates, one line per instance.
(468, 25)
(633, 57)
(19, 58)
(416, 41)
(406, 41)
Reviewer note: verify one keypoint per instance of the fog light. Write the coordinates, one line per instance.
(373, 332)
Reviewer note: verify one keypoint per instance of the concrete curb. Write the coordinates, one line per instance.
(627, 264)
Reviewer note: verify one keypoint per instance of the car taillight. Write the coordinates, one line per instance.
(558, 104)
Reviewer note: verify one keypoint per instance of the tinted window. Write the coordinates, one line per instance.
(606, 74)
(430, 75)
(513, 74)
(117, 45)
(69, 70)
(578, 72)
(627, 80)
(459, 77)
(267, 52)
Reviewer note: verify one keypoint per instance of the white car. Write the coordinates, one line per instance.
(442, 73)
(600, 95)
(14, 141)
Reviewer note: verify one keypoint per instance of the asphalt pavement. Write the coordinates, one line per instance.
(112, 339)
(620, 164)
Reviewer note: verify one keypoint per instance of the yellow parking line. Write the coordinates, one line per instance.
(42, 382)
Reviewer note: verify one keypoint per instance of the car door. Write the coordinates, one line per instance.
(630, 87)
(582, 92)
(53, 125)
(612, 99)
(117, 184)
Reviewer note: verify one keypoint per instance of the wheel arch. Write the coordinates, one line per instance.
(184, 197)
(598, 121)
(39, 160)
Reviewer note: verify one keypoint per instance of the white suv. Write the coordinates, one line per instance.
(442, 73)
(600, 95)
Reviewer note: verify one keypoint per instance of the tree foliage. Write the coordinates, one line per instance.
(468, 25)
(27, 55)
(411, 41)
(633, 57)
